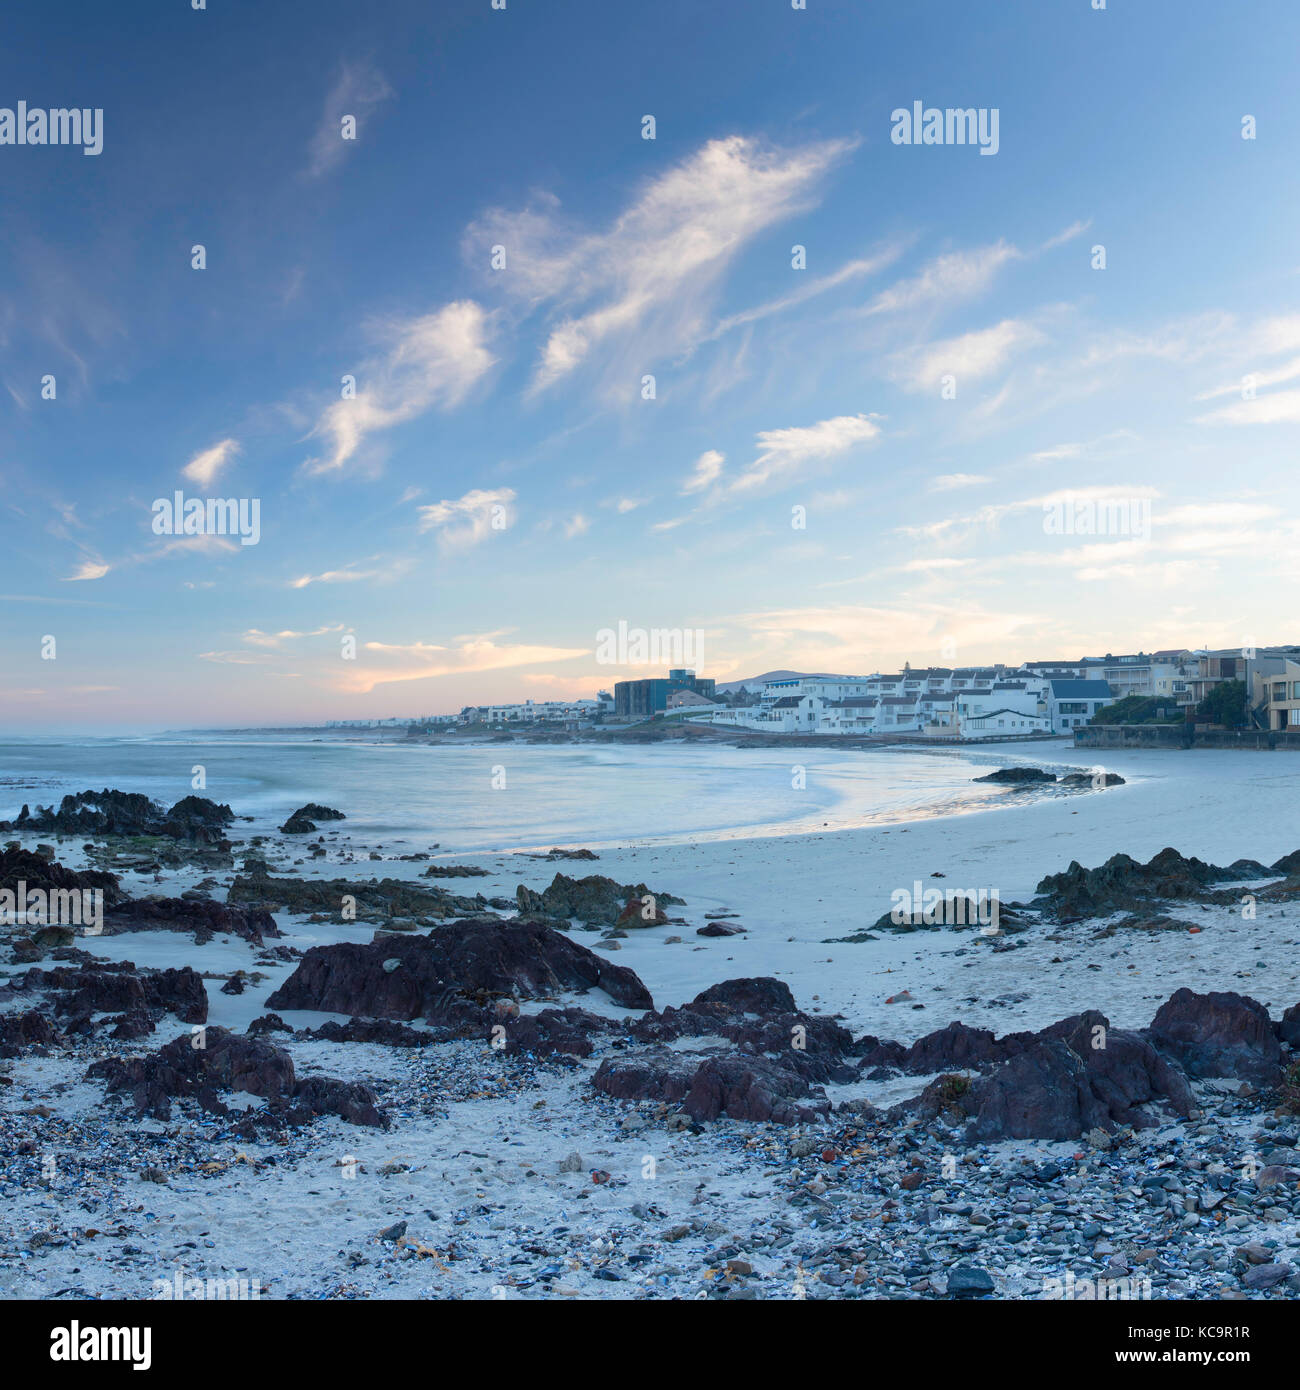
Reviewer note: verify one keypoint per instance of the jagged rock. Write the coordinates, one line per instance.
(232, 1062)
(1017, 775)
(29, 1029)
(1116, 884)
(201, 916)
(1288, 1031)
(268, 1023)
(108, 987)
(752, 1088)
(1219, 1034)
(313, 810)
(719, 929)
(1124, 1070)
(438, 974)
(370, 1030)
(565, 1031)
(1097, 779)
(594, 900)
(1041, 1093)
(350, 1100)
(1074, 1076)
(109, 812)
(21, 870)
(957, 1048)
(659, 1074)
(298, 825)
(373, 900)
(454, 871)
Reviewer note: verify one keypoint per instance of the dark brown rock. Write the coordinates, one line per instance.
(1219, 1034)
(436, 975)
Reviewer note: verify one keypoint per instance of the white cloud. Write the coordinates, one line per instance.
(88, 569)
(653, 271)
(947, 280)
(205, 465)
(433, 360)
(784, 453)
(708, 468)
(359, 88)
(970, 356)
(422, 661)
(469, 519)
(949, 482)
(1281, 408)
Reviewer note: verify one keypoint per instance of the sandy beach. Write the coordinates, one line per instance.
(474, 1161)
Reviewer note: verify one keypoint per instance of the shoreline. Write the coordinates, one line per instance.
(523, 1119)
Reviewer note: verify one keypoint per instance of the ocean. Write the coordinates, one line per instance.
(504, 796)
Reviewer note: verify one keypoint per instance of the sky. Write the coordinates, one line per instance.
(493, 372)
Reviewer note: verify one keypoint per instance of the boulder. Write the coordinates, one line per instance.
(594, 900)
(201, 916)
(437, 975)
(1219, 1034)
(233, 1062)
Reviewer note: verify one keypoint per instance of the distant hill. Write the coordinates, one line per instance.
(755, 683)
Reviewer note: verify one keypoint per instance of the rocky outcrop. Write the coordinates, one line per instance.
(1017, 776)
(446, 976)
(741, 1088)
(372, 900)
(18, 1032)
(1120, 881)
(201, 916)
(1075, 1075)
(1219, 1035)
(233, 1062)
(595, 901)
(106, 987)
(109, 812)
(23, 871)
(760, 995)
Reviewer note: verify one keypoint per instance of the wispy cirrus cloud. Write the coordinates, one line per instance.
(785, 454)
(417, 661)
(641, 288)
(359, 88)
(950, 482)
(969, 357)
(467, 520)
(707, 470)
(205, 466)
(432, 361)
(946, 280)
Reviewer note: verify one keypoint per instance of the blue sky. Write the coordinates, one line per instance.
(498, 490)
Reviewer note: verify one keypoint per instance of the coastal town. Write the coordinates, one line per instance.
(1239, 688)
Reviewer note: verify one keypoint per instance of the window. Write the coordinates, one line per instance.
(1293, 716)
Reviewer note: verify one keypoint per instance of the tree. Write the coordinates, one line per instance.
(1225, 704)
(1137, 709)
